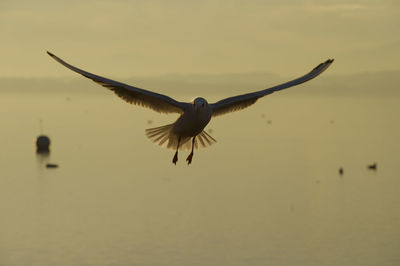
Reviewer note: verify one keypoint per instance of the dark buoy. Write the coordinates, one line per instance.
(42, 144)
(341, 170)
(373, 166)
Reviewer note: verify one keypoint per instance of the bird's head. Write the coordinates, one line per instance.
(200, 104)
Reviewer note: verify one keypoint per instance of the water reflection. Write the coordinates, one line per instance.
(42, 156)
(42, 159)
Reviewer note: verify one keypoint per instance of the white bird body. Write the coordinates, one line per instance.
(194, 116)
(194, 119)
(190, 124)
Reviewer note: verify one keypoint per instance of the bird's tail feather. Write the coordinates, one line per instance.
(165, 137)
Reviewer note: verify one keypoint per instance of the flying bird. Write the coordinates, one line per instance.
(187, 132)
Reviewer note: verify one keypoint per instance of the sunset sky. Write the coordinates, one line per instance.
(127, 38)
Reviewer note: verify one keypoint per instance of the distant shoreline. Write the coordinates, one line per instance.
(378, 84)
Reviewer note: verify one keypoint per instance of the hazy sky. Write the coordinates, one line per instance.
(121, 38)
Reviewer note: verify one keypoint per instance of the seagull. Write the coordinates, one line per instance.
(187, 132)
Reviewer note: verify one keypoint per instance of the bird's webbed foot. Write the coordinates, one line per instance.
(189, 158)
(175, 159)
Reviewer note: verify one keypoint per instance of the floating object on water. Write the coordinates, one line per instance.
(373, 166)
(51, 165)
(341, 170)
(42, 144)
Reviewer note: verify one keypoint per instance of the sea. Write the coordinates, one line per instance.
(295, 180)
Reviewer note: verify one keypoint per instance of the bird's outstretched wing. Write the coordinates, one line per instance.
(157, 102)
(239, 102)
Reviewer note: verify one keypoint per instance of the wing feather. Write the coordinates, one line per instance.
(239, 102)
(140, 97)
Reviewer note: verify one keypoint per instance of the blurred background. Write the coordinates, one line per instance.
(291, 180)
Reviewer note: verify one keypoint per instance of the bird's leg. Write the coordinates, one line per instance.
(176, 153)
(189, 158)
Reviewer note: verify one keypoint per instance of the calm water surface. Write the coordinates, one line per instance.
(268, 193)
